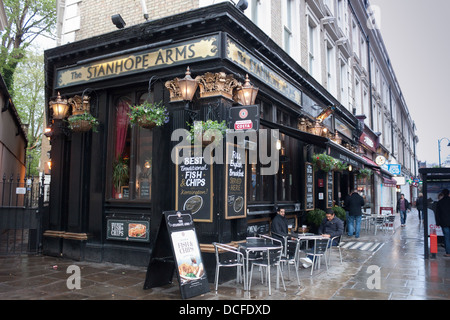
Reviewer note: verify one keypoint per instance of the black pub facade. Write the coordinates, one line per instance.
(98, 215)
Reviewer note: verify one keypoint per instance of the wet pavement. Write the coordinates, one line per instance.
(403, 274)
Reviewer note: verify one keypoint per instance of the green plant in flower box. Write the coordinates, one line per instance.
(364, 173)
(323, 162)
(340, 166)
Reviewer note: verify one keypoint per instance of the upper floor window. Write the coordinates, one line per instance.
(313, 48)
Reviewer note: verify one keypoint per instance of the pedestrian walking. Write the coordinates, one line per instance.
(353, 204)
(402, 207)
(419, 207)
(443, 219)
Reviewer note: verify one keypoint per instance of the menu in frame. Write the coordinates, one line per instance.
(235, 182)
(309, 186)
(330, 179)
(194, 183)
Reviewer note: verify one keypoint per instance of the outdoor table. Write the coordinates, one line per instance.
(306, 237)
(255, 245)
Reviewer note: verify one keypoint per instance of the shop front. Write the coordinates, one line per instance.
(111, 185)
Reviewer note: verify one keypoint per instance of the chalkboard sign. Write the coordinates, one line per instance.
(309, 186)
(125, 191)
(194, 182)
(235, 182)
(330, 179)
(144, 190)
(177, 227)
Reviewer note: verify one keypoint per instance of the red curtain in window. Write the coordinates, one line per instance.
(122, 121)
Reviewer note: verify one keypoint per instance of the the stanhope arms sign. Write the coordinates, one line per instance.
(122, 65)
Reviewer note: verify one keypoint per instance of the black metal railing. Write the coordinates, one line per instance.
(22, 202)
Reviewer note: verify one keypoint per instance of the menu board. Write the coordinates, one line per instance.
(177, 227)
(127, 230)
(194, 182)
(330, 178)
(309, 186)
(235, 182)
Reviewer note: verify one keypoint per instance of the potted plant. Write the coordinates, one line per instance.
(148, 115)
(340, 213)
(83, 122)
(364, 173)
(340, 166)
(120, 175)
(323, 162)
(208, 130)
(315, 217)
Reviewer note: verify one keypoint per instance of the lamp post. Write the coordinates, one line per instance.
(439, 148)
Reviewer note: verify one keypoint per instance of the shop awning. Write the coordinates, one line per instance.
(295, 133)
(371, 163)
(387, 182)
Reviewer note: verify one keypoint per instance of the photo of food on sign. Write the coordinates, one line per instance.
(187, 254)
(137, 230)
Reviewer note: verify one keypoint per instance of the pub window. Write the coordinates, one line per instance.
(131, 169)
(260, 187)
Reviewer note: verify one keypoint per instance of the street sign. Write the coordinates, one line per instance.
(395, 169)
(244, 117)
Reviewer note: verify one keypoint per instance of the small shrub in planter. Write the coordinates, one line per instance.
(149, 115)
(83, 122)
(209, 130)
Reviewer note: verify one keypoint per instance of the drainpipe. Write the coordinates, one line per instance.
(370, 81)
(392, 121)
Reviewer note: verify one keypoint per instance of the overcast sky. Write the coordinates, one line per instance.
(416, 35)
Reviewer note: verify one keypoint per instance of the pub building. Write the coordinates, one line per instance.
(92, 211)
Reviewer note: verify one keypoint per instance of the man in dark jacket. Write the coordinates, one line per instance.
(419, 206)
(443, 219)
(402, 207)
(279, 225)
(331, 226)
(353, 204)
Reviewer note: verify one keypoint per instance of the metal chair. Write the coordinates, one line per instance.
(379, 222)
(320, 250)
(390, 219)
(228, 256)
(338, 240)
(289, 257)
(272, 258)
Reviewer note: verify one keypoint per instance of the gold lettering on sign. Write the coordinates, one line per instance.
(241, 57)
(139, 62)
